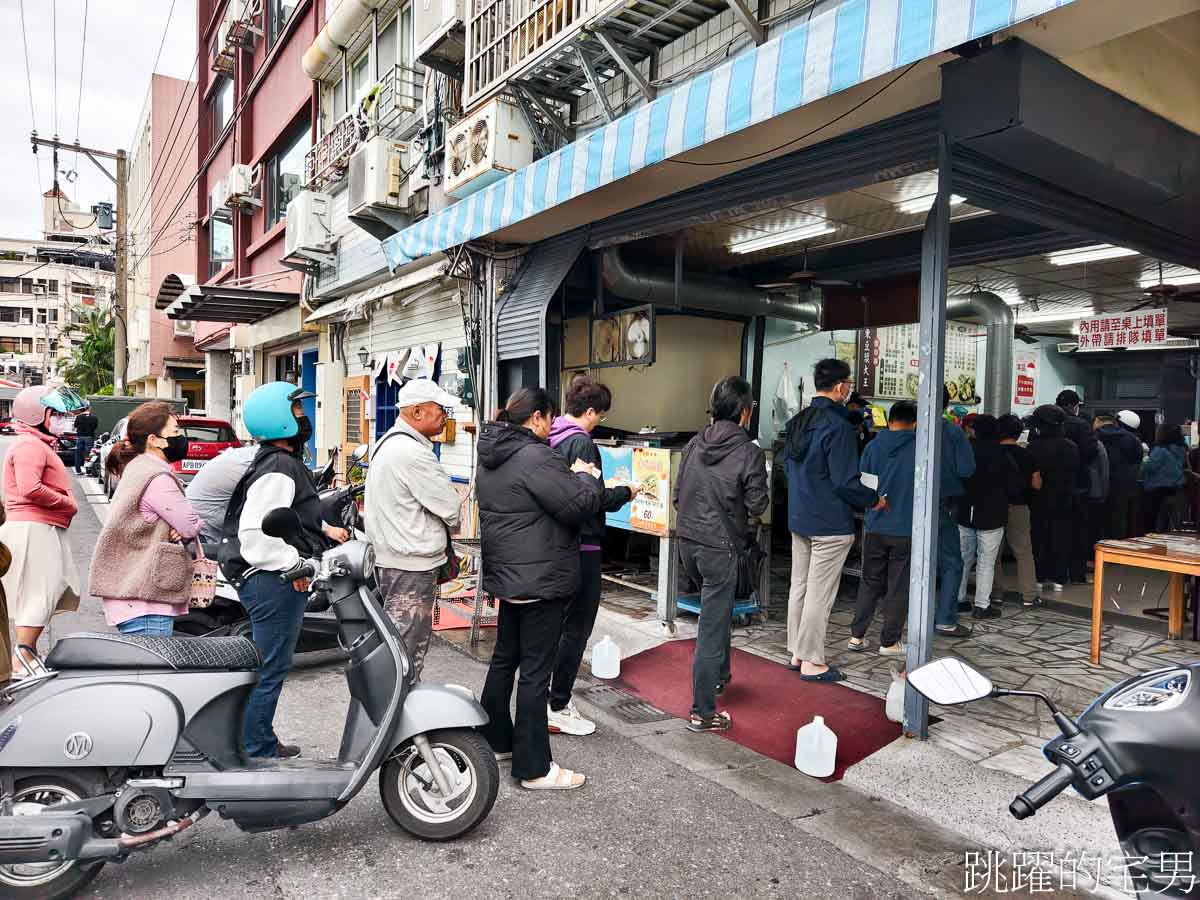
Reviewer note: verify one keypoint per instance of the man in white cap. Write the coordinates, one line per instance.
(411, 509)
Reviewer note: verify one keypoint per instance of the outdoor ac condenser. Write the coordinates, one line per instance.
(484, 146)
(309, 232)
(378, 176)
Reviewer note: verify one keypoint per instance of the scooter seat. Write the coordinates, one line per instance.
(126, 651)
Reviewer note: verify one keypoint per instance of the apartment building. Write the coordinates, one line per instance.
(163, 359)
(46, 285)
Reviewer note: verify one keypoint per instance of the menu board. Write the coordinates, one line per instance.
(889, 361)
(650, 469)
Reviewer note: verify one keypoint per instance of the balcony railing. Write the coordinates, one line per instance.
(396, 99)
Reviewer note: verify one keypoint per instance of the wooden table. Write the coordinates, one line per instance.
(1177, 554)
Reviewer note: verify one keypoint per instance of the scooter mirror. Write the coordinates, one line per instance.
(282, 523)
(949, 681)
(360, 453)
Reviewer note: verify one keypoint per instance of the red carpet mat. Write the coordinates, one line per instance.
(767, 701)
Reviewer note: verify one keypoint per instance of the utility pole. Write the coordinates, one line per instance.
(120, 311)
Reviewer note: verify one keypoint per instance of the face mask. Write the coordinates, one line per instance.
(303, 434)
(176, 449)
(60, 425)
(855, 416)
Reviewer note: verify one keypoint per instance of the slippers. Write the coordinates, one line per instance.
(830, 674)
(557, 779)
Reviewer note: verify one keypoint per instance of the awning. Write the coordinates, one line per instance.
(838, 46)
(172, 286)
(217, 303)
(521, 311)
(351, 306)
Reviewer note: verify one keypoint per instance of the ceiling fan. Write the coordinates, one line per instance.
(1164, 292)
(803, 279)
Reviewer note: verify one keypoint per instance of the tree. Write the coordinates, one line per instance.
(90, 367)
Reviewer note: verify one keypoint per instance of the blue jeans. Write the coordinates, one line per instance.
(950, 570)
(276, 614)
(148, 626)
(83, 446)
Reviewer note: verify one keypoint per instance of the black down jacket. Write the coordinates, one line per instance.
(531, 507)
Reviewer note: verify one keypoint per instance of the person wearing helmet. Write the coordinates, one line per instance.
(42, 579)
(255, 561)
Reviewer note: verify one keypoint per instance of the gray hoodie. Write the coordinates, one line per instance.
(410, 502)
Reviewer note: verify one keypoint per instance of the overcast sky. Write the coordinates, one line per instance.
(123, 38)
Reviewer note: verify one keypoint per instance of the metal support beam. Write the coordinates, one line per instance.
(935, 252)
(534, 128)
(594, 83)
(627, 67)
(544, 108)
(679, 241)
(748, 20)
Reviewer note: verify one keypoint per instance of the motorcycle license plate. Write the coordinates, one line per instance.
(192, 465)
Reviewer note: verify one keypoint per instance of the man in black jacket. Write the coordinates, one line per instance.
(1079, 430)
(1057, 458)
(722, 483)
(587, 403)
(1124, 460)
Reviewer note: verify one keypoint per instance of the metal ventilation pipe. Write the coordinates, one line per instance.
(713, 293)
(998, 322)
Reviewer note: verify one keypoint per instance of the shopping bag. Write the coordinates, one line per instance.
(204, 580)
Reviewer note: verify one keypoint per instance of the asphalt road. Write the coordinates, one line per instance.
(642, 827)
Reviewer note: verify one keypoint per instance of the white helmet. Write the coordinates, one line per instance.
(1129, 419)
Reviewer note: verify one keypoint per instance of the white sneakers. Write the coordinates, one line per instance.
(569, 721)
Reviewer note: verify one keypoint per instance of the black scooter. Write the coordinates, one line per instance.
(1138, 745)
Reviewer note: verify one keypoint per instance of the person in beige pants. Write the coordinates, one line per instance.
(1018, 533)
(824, 488)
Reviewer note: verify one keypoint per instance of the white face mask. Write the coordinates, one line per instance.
(60, 425)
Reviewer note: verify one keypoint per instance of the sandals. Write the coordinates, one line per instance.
(858, 645)
(721, 721)
(557, 779)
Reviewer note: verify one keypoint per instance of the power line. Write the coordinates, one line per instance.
(162, 43)
(82, 58)
(173, 133)
(54, 45)
(29, 81)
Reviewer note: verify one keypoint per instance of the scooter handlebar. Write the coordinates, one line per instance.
(1038, 795)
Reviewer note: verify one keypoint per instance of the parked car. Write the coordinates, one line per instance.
(107, 442)
(206, 438)
(66, 450)
(6, 425)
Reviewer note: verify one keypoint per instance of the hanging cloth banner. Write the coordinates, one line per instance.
(380, 366)
(395, 371)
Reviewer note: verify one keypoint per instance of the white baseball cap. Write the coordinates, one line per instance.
(422, 390)
(1129, 418)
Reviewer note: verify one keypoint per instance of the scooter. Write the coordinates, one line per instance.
(1138, 745)
(123, 742)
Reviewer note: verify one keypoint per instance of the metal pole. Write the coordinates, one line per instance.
(121, 317)
(935, 248)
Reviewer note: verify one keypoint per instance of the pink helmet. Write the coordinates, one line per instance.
(30, 405)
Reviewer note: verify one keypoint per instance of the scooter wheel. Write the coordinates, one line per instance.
(46, 881)
(411, 796)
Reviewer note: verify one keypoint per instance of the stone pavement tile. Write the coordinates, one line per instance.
(699, 752)
(1023, 760)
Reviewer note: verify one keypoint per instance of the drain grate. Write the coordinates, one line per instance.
(624, 706)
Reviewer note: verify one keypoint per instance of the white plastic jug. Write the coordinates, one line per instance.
(816, 748)
(606, 658)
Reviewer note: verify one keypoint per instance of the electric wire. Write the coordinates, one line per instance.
(37, 163)
(54, 46)
(855, 108)
(163, 42)
(82, 59)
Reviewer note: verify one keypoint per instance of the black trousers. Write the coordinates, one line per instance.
(1121, 510)
(885, 570)
(579, 617)
(1081, 532)
(1052, 530)
(716, 573)
(1161, 507)
(526, 640)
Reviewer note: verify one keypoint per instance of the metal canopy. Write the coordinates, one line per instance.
(172, 286)
(521, 311)
(241, 306)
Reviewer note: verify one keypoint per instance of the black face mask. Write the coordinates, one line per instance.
(176, 449)
(302, 436)
(855, 416)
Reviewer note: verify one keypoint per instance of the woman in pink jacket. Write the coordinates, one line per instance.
(141, 569)
(39, 504)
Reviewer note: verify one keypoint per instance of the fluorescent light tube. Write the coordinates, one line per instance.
(1189, 277)
(1063, 315)
(1094, 253)
(791, 236)
(924, 204)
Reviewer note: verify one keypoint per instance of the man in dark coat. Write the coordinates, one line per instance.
(1079, 430)
(722, 483)
(1057, 458)
(587, 404)
(1124, 460)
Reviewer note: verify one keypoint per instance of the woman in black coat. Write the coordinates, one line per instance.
(531, 507)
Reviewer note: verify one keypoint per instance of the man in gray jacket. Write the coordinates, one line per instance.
(411, 506)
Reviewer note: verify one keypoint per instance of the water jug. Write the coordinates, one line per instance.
(816, 748)
(606, 659)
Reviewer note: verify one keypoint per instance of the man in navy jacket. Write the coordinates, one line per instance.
(958, 464)
(824, 488)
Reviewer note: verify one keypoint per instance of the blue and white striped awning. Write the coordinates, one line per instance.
(842, 44)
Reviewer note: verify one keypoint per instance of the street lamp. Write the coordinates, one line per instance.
(364, 356)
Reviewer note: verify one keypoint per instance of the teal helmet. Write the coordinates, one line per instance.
(267, 413)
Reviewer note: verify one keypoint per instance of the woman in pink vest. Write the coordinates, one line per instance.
(141, 569)
(39, 504)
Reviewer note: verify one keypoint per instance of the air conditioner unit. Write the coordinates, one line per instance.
(185, 328)
(239, 185)
(39, 289)
(439, 35)
(484, 146)
(309, 233)
(378, 177)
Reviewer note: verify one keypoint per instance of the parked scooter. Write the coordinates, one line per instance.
(226, 617)
(1138, 745)
(126, 741)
